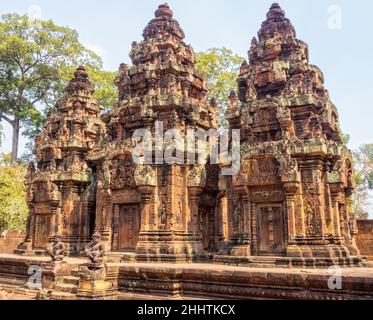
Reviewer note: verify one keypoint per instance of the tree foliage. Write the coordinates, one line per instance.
(13, 206)
(36, 60)
(363, 162)
(221, 67)
(1, 135)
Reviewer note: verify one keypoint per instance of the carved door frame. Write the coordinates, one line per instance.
(281, 224)
(37, 243)
(119, 211)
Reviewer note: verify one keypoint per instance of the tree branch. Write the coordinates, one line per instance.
(7, 119)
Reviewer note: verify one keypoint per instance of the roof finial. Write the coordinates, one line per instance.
(164, 11)
(81, 72)
(275, 11)
(275, 6)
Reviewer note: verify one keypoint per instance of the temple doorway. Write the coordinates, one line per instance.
(129, 228)
(42, 232)
(271, 230)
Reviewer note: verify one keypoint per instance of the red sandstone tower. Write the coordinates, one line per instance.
(154, 210)
(61, 194)
(291, 197)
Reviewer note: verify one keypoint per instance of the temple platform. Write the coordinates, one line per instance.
(138, 281)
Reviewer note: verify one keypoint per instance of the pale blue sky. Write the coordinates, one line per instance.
(344, 55)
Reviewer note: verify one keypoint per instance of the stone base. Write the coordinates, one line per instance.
(228, 282)
(192, 280)
(54, 272)
(235, 250)
(98, 283)
(117, 257)
(26, 249)
(287, 262)
(168, 247)
(307, 254)
(330, 254)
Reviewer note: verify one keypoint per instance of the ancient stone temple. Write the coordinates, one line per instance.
(86, 178)
(153, 209)
(61, 188)
(288, 201)
(290, 197)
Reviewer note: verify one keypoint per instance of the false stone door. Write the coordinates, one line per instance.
(42, 231)
(129, 227)
(206, 226)
(271, 230)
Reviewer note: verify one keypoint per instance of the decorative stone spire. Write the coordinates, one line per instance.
(164, 26)
(80, 82)
(276, 24)
(163, 76)
(291, 132)
(162, 85)
(61, 187)
(275, 11)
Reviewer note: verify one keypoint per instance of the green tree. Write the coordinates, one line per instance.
(363, 163)
(35, 57)
(221, 67)
(1, 135)
(13, 206)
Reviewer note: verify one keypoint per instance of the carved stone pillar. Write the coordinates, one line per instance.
(335, 191)
(337, 218)
(85, 219)
(53, 225)
(106, 231)
(291, 189)
(115, 228)
(246, 215)
(222, 217)
(290, 199)
(194, 195)
(254, 239)
(243, 194)
(146, 204)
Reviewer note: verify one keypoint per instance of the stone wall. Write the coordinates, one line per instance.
(214, 281)
(364, 238)
(9, 240)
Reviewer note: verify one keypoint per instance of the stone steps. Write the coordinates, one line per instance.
(118, 257)
(18, 290)
(71, 280)
(75, 273)
(62, 296)
(66, 287)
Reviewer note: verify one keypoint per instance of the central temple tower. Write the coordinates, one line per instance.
(154, 209)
